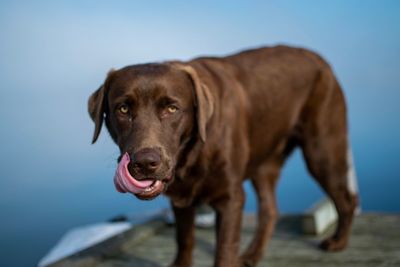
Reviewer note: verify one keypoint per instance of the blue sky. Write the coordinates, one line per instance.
(54, 54)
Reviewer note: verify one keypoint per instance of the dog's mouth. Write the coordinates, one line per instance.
(145, 189)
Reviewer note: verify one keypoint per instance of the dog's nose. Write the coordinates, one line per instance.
(146, 160)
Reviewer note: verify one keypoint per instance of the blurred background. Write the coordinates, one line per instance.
(54, 54)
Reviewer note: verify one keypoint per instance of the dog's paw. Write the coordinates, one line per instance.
(180, 264)
(247, 264)
(247, 261)
(175, 265)
(333, 244)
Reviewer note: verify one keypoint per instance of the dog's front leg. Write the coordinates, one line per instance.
(229, 220)
(184, 220)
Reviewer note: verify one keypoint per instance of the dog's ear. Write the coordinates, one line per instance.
(96, 110)
(203, 100)
(96, 107)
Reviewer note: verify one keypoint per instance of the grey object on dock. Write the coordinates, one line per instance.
(81, 238)
(375, 241)
(95, 237)
(319, 217)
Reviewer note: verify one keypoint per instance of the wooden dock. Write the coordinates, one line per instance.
(375, 241)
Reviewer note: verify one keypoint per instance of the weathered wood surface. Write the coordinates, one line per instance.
(375, 241)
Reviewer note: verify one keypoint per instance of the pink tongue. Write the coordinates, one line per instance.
(125, 182)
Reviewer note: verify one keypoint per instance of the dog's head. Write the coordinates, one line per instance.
(151, 111)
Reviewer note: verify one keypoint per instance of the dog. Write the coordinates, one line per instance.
(196, 130)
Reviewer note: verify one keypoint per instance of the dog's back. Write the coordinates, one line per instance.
(276, 88)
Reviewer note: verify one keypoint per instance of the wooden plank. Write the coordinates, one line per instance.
(375, 241)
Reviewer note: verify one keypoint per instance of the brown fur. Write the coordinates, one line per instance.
(239, 117)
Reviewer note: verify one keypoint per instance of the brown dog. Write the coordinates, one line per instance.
(195, 130)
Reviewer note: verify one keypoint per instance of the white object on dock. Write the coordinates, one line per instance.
(319, 217)
(201, 220)
(81, 238)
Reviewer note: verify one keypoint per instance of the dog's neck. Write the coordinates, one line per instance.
(190, 168)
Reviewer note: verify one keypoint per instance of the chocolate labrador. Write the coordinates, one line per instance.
(196, 130)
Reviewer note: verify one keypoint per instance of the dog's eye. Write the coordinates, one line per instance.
(172, 109)
(123, 109)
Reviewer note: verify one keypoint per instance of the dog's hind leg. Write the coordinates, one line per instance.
(327, 162)
(264, 182)
(326, 151)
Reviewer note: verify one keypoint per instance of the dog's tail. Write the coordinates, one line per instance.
(352, 182)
